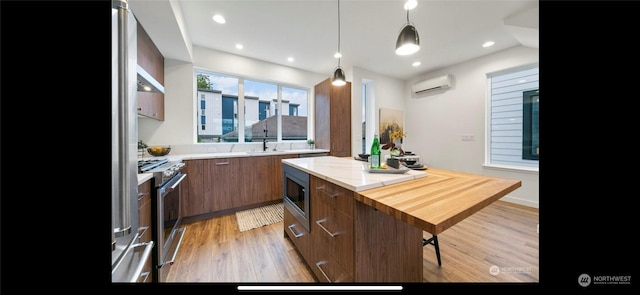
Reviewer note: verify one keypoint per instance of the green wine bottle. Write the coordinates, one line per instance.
(375, 153)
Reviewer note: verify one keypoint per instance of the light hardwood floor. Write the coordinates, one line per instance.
(496, 244)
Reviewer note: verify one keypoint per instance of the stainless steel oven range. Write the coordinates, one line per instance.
(165, 201)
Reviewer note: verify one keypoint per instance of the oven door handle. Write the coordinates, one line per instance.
(173, 184)
(175, 252)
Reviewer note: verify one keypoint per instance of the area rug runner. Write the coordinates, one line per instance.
(257, 217)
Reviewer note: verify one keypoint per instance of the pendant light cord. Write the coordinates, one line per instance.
(407, 15)
(339, 58)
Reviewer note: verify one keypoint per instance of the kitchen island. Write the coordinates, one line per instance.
(368, 227)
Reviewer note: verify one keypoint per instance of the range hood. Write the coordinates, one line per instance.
(146, 83)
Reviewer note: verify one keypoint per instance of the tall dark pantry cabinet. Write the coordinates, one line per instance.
(333, 118)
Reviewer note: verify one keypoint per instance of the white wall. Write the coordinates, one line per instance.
(435, 123)
(385, 92)
(179, 108)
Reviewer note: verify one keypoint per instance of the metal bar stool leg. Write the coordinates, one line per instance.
(433, 241)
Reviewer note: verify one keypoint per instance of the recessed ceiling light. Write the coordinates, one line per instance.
(417, 63)
(219, 19)
(410, 4)
(522, 81)
(239, 46)
(337, 55)
(290, 59)
(488, 44)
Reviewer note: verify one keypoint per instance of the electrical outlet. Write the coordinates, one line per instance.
(468, 137)
(538, 228)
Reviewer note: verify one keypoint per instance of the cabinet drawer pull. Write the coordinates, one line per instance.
(222, 163)
(294, 234)
(321, 189)
(141, 195)
(322, 271)
(319, 223)
(141, 231)
(145, 275)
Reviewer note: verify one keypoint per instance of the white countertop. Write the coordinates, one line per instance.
(250, 154)
(142, 177)
(349, 173)
(146, 176)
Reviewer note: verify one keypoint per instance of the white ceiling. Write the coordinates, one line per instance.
(451, 31)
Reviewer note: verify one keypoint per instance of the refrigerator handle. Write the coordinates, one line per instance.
(124, 174)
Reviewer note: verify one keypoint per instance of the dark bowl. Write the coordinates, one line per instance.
(364, 156)
(409, 162)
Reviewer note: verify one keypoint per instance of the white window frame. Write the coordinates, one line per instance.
(527, 165)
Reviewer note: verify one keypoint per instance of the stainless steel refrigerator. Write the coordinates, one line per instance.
(128, 255)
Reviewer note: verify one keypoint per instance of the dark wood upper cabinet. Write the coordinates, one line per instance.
(150, 104)
(333, 118)
(149, 57)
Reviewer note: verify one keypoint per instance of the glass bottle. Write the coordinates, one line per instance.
(375, 153)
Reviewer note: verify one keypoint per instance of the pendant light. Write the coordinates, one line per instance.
(408, 41)
(338, 74)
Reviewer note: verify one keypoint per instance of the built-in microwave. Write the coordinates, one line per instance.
(296, 194)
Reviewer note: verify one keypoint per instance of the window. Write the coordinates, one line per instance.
(513, 114)
(261, 102)
(530, 146)
(364, 119)
(220, 94)
(294, 113)
(293, 110)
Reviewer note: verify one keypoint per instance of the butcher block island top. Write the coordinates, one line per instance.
(432, 200)
(439, 201)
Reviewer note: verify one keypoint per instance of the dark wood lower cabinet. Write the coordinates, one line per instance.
(327, 268)
(386, 249)
(354, 242)
(226, 184)
(221, 184)
(297, 234)
(144, 222)
(254, 186)
(192, 193)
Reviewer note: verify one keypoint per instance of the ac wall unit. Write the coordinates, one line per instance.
(426, 86)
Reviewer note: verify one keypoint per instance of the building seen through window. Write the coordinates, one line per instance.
(219, 104)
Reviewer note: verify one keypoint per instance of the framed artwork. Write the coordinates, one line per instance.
(390, 120)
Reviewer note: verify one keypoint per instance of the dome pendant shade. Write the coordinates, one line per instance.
(408, 41)
(338, 77)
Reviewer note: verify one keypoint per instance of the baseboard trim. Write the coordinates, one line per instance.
(525, 204)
